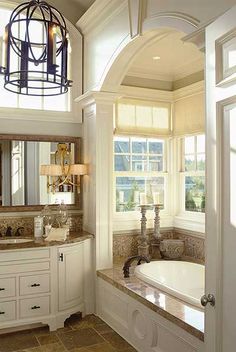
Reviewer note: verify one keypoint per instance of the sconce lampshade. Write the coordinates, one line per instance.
(51, 170)
(78, 169)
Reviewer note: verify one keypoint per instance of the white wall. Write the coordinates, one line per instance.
(40, 128)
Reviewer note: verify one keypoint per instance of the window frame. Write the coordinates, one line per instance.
(130, 220)
(182, 213)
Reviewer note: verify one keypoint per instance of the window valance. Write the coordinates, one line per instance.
(189, 115)
(143, 118)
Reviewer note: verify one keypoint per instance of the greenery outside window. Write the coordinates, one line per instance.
(140, 167)
(193, 173)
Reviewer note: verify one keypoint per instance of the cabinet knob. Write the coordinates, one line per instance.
(2, 312)
(2, 289)
(35, 285)
(35, 307)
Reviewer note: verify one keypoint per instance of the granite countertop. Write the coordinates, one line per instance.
(182, 314)
(72, 238)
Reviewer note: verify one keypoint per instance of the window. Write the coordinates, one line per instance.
(9, 100)
(193, 173)
(140, 166)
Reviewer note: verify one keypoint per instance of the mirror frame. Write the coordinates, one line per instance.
(45, 138)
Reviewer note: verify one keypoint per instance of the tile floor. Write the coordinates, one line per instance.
(90, 334)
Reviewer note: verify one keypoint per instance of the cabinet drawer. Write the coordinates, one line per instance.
(24, 254)
(34, 284)
(34, 307)
(7, 311)
(7, 287)
(23, 267)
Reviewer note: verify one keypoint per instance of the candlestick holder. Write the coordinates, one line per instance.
(143, 247)
(156, 240)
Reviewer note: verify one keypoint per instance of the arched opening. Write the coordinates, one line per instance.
(159, 67)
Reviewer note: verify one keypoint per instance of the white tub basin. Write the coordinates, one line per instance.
(183, 280)
(15, 240)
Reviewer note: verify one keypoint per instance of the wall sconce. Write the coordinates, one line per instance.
(63, 171)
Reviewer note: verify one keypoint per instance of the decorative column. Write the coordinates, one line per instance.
(98, 185)
(143, 247)
(156, 238)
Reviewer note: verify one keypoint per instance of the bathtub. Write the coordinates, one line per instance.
(182, 280)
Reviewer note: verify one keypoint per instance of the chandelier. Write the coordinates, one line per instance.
(35, 51)
(63, 171)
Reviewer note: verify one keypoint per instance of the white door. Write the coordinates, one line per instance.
(220, 327)
(71, 273)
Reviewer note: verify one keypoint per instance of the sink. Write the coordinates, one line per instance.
(15, 240)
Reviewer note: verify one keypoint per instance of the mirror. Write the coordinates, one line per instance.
(21, 159)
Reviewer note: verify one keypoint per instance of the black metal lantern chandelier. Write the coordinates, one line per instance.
(36, 51)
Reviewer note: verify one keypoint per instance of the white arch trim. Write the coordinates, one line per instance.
(153, 29)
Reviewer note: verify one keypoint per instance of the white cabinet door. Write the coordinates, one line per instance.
(71, 283)
(220, 324)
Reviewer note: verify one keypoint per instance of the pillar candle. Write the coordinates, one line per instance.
(54, 40)
(156, 198)
(143, 199)
(136, 197)
(121, 197)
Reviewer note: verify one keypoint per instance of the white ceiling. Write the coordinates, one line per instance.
(177, 59)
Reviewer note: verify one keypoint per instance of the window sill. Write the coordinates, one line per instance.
(191, 222)
(131, 221)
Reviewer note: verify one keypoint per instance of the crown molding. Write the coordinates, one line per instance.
(181, 72)
(141, 72)
(95, 97)
(193, 89)
(100, 13)
(145, 94)
(187, 69)
(161, 95)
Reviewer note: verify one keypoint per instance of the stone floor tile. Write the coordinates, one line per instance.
(103, 328)
(17, 341)
(104, 347)
(116, 340)
(48, 339)
(80, 338)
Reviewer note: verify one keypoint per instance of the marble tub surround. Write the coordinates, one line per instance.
(76, 224)
(178, 312)
(90, 334)
(74, 237)
(125, 244)
(194, 244)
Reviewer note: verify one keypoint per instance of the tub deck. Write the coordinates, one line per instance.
(178, 312)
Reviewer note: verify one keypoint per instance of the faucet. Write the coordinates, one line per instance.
(9, 231)
(19, 231)
(129, 261)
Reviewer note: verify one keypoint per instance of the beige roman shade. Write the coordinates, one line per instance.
(189, 115)
(143, 118)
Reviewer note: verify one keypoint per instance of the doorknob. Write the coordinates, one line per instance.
(205, 299)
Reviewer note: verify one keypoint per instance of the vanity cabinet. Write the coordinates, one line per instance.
(45, 285)
(71, 276)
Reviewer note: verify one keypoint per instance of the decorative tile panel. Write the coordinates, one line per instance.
(76, 224)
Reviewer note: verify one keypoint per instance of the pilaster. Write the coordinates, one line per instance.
(98, 185)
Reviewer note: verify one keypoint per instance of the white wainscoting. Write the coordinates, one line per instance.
(143, 328)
